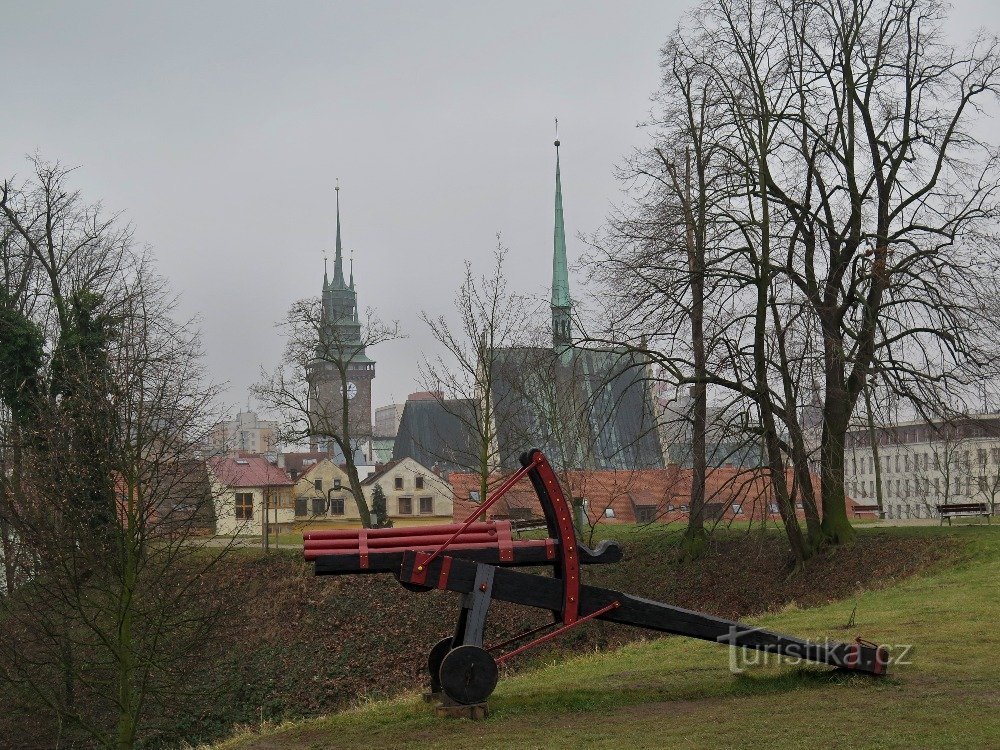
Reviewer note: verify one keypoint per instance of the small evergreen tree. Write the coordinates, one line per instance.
(380, 514)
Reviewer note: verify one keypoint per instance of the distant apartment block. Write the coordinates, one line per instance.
(387, 420)
(246, 433)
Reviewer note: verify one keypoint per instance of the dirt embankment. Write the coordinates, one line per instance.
(301, 645)
(294, 645)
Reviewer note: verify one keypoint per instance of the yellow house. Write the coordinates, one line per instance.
(414, 495)
(323, 497)
(250, 493)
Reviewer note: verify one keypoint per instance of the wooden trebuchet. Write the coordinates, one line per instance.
(475, 559)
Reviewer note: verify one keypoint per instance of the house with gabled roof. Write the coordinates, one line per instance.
(323, 496)
(414, 494)
(250, 494)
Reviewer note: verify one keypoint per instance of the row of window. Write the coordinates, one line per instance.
(404, 506)
(922, 461)
(244, 504)
(397, 483)
(922, 486)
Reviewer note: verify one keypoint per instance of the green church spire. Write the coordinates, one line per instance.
(338, 260)
(561, 302)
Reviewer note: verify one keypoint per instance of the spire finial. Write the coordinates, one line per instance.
(338, 260)
(352, 268)
(326, 281)
(557, 136)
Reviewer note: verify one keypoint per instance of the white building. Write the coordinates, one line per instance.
(246, 434)
(926, 464)
(387, 420)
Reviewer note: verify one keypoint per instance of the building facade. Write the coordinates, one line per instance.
(340, 346)
(247, 433)
(387, 420)
(414, 494)
(250, 494)
(921, 465)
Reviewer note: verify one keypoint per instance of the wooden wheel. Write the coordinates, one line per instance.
(434, 659)
(468, 674)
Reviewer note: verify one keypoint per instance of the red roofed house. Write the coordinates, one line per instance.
(243, 487)
(644, 496)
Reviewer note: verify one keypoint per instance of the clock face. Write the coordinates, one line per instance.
(352, 390)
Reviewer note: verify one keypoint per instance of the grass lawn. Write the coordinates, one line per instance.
(680, 693)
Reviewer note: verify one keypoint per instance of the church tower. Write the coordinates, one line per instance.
(562, 305)
(340, 343)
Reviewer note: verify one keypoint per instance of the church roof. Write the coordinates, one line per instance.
(432, 431)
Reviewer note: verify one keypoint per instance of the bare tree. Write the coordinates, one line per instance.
(103, 611)
(492, 329)
(851, 202)
(312, 389)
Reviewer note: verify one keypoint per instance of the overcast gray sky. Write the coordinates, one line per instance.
(220, 127)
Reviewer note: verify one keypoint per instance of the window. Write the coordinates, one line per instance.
(772, 508)
(419, 482)
(737, 508)
(996, 455)
(645, 513)
(281, 499)
(319, 506)
(474, 496)
(982, 458)
(318, 485)
(336, 506)
(336, 484)
(301, 506)
(405, 506)
(427, 506)
(398, 483)
(244, 506)
(684, 509)
(610, 512)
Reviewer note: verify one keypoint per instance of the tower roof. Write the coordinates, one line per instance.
(560, 271)
(338, 261)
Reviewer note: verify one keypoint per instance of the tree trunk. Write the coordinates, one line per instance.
(694, 535)
(837, 528)
(876, 458)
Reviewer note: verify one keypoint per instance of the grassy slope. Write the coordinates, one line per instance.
(679, 692)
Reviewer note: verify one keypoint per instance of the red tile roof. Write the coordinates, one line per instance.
(248, 471)
(662, 491)
(298, 463)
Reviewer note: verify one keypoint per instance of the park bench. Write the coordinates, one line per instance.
(859, 509)
(951, 510)
(476, 559)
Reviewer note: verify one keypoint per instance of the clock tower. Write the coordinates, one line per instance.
(340, 347)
